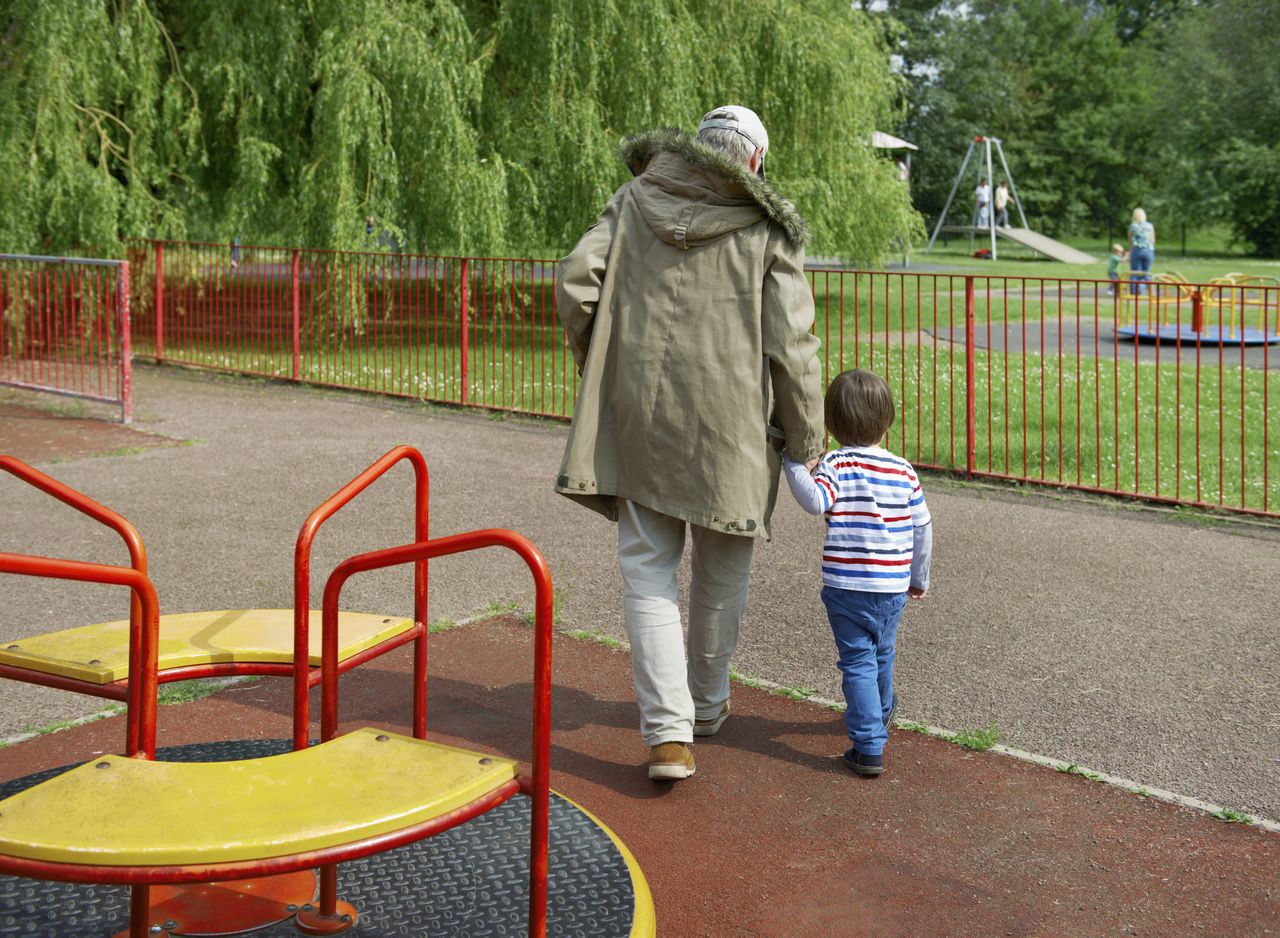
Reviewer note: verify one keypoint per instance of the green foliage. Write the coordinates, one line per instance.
(815, 72)
(1133, 17)
(181, 692)
(1103, 105)
(1250, 172)
(454, 126)
(95, 119)
(980, 739)
(1231, 816)
(1050, 79)
(1219, 108)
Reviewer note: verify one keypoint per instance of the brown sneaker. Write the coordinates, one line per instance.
(670, 762)
(711, 726)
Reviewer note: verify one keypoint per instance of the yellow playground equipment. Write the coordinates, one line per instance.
(1169, 306)
(231, 841)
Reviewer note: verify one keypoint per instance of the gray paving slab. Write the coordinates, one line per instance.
(1130, 641)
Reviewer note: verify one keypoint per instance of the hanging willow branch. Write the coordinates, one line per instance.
(458, 126)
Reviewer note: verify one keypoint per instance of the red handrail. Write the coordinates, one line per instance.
(143, 633)
(538, 784)
(302, 587)
(137, 559)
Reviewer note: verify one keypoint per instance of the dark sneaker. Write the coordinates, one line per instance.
(670, 762)
(863, 764)
(710, 727)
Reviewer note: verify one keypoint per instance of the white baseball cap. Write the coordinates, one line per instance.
(741, 120)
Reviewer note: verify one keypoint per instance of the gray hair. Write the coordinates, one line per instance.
(730, 141)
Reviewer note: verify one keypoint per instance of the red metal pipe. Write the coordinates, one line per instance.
(970, 416)
(464, 314)
(137, 560)
(158, 274)
(143, 635)
(126, 348)
(541, 744)
(302, 584)
(118, 690)
(140, 911)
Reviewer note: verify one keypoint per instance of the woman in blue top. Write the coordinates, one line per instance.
(1142, 247)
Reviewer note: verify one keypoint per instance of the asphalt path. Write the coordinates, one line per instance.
(1097, 338)
(1128, 640)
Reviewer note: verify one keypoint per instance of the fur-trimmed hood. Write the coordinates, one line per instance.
(732, 196)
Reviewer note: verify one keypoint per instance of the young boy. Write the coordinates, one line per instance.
(1117, 257)
(876, 554)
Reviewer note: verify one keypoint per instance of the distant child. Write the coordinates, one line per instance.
(1117, 257)
(876, 554)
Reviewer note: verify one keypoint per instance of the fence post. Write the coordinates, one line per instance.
(159, 302)
(970, 405)
(466, 316)
(296, 281)
(126, 347)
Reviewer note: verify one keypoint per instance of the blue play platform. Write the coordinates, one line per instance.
(1209, 335)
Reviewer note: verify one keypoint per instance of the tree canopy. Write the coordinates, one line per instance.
(1102, 106)
(458, 126)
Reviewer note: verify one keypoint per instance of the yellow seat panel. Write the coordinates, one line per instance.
(115, 811)
(99, 654)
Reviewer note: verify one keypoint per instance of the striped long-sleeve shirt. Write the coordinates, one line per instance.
(879, 536)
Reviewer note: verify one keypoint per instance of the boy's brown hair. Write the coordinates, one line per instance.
(858, 408)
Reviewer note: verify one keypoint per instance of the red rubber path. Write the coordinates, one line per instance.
(773, 836)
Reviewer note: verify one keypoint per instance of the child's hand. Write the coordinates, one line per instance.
(813, 463)
(916, 592)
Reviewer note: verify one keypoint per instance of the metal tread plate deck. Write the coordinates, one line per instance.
(471, 881)
(99, 654)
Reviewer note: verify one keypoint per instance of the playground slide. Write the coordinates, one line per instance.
(1054, 250)
(1046, 246)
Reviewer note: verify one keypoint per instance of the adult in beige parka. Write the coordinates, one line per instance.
(689, 316)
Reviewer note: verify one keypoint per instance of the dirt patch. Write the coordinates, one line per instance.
(39, 436)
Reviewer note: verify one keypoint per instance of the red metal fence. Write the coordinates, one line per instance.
(1162, 394)
(461, 330)
(64, 327)
(1053, 381)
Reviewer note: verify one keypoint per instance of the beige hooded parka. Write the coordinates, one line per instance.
(688, 312)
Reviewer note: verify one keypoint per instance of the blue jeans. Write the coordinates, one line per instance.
(1140, 261)
(865, 626)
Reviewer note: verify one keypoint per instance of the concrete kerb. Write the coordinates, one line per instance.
(1137, 788)
(1069, 767)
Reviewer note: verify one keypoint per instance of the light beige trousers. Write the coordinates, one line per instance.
(670, 689)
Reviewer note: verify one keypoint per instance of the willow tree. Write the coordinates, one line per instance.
(96, 124)
(320, 115)
(570, 78)
(459, 126)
